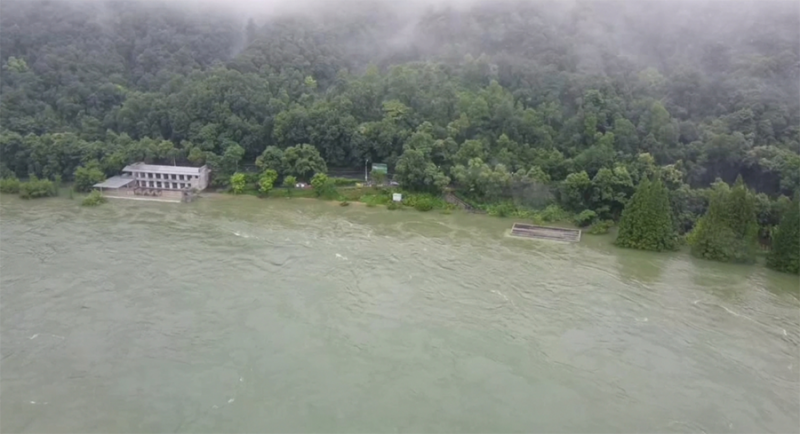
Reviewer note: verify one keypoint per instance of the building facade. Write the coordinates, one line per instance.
(167, 177)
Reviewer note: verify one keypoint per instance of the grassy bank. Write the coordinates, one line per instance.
(426, 202)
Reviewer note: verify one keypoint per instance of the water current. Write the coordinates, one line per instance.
(246, 315)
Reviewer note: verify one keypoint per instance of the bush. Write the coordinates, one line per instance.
(552, 214)
(504, 209)
(267, 181)
(600, 228)
(344, 181)
(423, 204)
(585, 218)
(238, 183)
(94, 198)
(9, 185)
(393, 205)
(344, 203)
(87, 176)
(323, 186)
(36, 188)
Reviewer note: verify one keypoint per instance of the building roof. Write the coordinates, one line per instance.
(182, 170)
(114, 182)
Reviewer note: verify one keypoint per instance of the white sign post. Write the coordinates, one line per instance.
(397, 197)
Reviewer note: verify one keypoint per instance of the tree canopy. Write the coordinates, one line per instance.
(496, 99)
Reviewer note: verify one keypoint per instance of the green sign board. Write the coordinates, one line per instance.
(379, 167)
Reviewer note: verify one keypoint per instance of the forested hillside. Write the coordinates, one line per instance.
(587, 96)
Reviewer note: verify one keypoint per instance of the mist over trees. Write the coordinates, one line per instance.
(484, 95)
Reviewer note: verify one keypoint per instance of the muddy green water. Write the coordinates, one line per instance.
(244, 315)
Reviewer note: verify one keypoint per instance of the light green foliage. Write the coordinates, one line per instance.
(94, 198)
(9, 185)
(290, 182)
(785, 253)
(728, 231)
(36, 188)
(646, 222)
(585, 218)
(87, 176)
(267, 181)
(238, 183)
(323, 186)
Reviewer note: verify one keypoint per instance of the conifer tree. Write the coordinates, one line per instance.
(785, 254)
(646, 222)
(728, 231)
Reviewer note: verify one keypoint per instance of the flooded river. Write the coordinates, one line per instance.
(245, 315)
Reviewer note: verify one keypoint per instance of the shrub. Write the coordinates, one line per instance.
(503, 209)
(87, 176)
(94, 198)
(600, 228)
(36, 188)
(323, 186)
(585, 218)
(344, 181)
(344, 203)
(9, 185)
(267, 181)
(238, 183)
(646, 222)
(553, 213)
(393, 205)
(423, 204)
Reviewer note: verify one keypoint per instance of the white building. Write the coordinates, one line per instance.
(167, 177)
(142, 179)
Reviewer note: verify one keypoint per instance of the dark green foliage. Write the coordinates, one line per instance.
(646, 222)
(36, 188)
(567, 99)
(785, 253)
(87, 176)
(585, 218)
(393, 206)
(9, 185)
(94, 198)
(728, 231)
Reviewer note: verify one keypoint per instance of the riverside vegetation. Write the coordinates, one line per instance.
(498, 103)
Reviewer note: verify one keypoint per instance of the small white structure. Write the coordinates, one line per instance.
(142, 179)
(397, 197)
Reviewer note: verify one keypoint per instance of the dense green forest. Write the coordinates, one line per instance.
(494, 99)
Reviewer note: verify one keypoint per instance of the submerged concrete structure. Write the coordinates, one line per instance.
(524, 230)
(166, 183)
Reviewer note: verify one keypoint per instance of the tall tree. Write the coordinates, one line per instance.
(785, 253)
(646, 222)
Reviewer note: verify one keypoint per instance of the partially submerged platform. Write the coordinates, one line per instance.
(524, 230)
